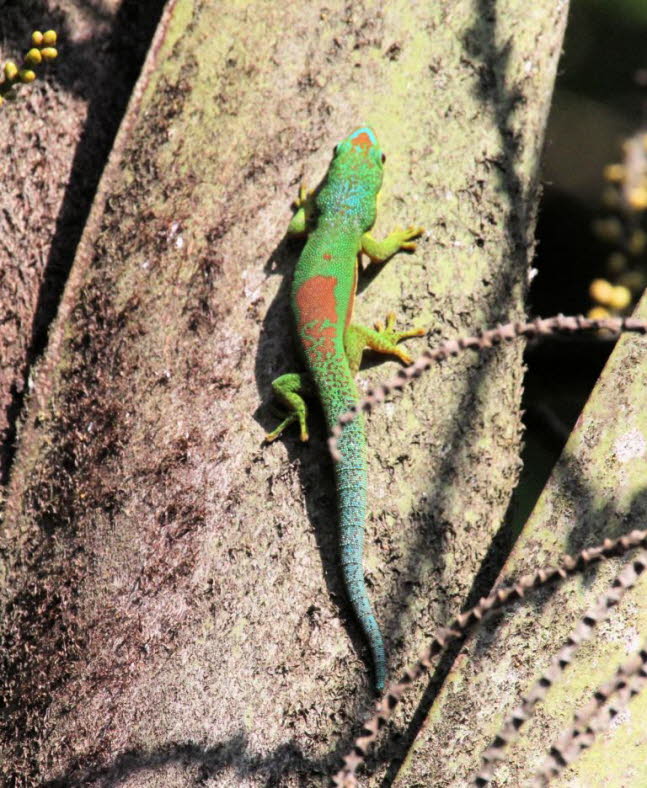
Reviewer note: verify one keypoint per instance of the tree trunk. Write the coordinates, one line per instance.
(173, 607)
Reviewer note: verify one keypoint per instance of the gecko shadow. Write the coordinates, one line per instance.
(206, 762)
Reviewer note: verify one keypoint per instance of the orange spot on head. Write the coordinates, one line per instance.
(315, 301)
(363, 141)
(327, 256)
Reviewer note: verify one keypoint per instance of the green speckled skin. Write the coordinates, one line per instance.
(337, 218)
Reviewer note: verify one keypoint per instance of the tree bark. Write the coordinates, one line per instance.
(173, 608)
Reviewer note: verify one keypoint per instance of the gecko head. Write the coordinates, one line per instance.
(361, 149)
(355, 177)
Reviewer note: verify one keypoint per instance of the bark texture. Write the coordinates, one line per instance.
(173, 610)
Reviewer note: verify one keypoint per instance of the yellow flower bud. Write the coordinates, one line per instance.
(637, 198)
(49, 53)
(26, 75)
(598, 313)
(37, 38)
(33, 57)
(49, 38)
(614, 172)
(620, 298)
(601, 291)
(10, 70)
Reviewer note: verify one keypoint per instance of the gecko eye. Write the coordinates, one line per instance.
(383, 158)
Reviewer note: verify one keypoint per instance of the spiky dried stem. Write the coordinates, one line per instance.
(607, 702)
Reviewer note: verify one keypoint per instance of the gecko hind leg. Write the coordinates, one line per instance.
(383, 339)
(288, 389)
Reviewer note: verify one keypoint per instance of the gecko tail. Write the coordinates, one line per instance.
(352, 486)
(351, 475)
(356, 589)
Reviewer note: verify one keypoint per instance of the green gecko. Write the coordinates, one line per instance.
(337, 218)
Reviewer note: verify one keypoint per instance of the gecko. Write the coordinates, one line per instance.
(336, 218)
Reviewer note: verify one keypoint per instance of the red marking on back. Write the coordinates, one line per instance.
(315, 301)
(363, 141)
(327, 256)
